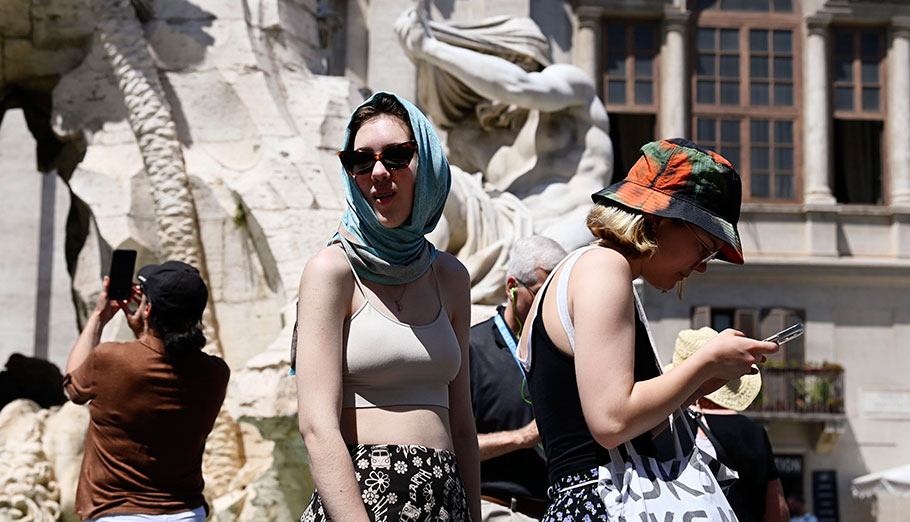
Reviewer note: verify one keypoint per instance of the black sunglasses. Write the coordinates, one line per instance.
(358, 162)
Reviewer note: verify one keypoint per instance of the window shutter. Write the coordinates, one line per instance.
(773, 321)
(746, 321)
(796, 349)
(701, 316)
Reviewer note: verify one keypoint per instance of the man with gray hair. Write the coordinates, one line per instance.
(513, 478)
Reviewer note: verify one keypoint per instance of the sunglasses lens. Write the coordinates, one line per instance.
(363, 165)
(399, 156)
(359, 162)
(356, 162)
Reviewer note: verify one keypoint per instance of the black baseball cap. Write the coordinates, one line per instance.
(174, 287)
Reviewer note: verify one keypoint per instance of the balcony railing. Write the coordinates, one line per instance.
(805, 389)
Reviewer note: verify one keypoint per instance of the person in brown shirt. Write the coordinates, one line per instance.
(153, 401)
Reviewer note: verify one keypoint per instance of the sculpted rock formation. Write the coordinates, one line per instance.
(63, 444)
(28, 487)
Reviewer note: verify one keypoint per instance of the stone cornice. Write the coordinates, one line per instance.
(839, 209)
(900, 26)
(674, 19)
(589, 13)
(622, 6)
(818, 24)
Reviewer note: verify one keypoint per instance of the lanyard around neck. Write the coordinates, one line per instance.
(506, 335)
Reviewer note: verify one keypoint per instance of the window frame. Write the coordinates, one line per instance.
(771, 8)
(858, 113)
(629, 24)
(744, 22)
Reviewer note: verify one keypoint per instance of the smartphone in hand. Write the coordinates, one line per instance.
(123, 263)
(787, 334)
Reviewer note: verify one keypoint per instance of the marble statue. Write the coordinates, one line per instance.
(63, 443)
(531, 128)
(28, 487)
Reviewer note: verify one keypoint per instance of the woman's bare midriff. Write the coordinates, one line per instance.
(418, 425)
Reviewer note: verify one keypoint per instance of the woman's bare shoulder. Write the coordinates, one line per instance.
(601, 272)
(328, 265)
(448, 267)
(611, 262)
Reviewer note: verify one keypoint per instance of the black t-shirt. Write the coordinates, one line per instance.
(748, 451)
(497, 398)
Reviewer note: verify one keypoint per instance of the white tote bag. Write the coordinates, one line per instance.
(687, 488)
(636, 488)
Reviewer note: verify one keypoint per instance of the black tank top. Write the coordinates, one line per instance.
(567, 441)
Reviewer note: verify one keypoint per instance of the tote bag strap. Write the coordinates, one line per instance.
(702, 421)
(679, 412)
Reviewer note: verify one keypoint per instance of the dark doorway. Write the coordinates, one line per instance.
(629, 132)
(790, 468)
(858, 161)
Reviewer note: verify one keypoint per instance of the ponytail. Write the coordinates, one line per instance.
(180, 336)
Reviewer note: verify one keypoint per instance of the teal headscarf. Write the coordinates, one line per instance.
(399, 255)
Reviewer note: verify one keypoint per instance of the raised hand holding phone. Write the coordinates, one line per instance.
(733, 354)
(123, 264)
(136, 319)
(787, 334)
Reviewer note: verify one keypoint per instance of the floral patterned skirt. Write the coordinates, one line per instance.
(575, 499)
(403, 483)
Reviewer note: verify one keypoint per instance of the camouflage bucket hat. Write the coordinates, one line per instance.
(678, 179)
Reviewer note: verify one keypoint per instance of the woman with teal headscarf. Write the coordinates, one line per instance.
(381, 365)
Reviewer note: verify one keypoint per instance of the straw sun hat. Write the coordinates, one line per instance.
(737, 394)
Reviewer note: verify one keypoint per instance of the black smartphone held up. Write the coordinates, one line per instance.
(123, 263)
(786, 335)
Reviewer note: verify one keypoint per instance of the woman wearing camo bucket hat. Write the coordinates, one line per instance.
(737, 441)
(593, 372)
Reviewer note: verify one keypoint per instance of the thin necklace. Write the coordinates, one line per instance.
(404, 288)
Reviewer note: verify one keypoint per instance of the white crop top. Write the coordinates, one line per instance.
(390, 363)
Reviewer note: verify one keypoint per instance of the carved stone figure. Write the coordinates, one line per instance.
(479, 225)
(532, 128)
(63, 443)
(28, 488)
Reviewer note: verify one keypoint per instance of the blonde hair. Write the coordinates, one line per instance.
(632, 234)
